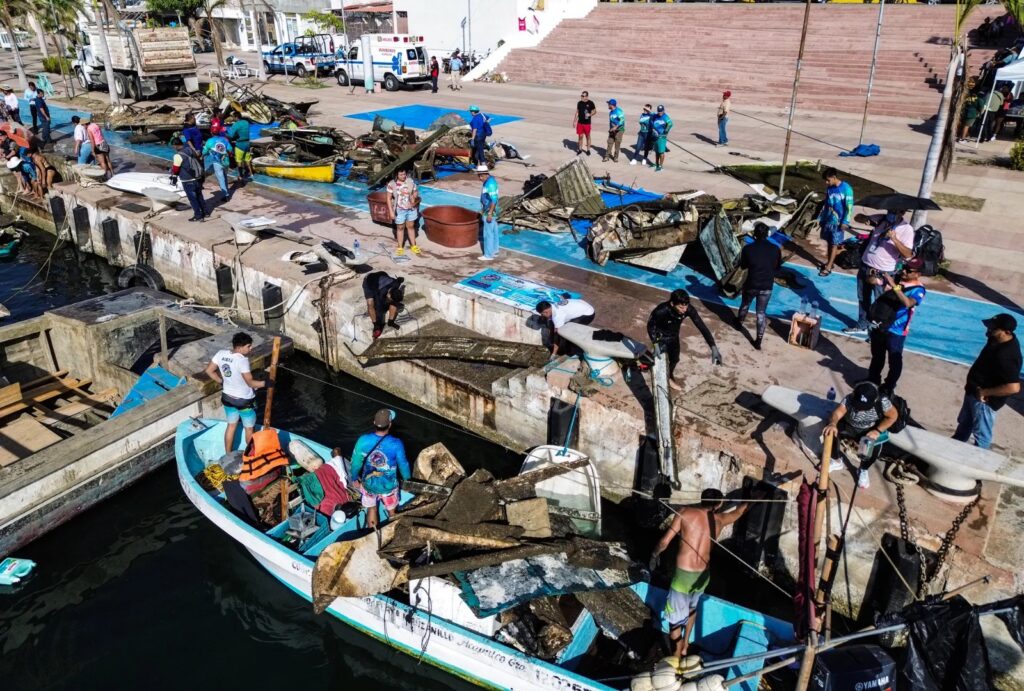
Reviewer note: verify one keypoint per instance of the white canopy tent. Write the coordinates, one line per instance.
(1014, 72)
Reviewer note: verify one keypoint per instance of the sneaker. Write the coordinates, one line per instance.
(647, 163)
(863, 479)
(415, 249)
(836, 465)
(605, 159)
(400, 251)
(632, 162)
(854, 330)
(757, 344)
(485, 258)
(657, 169)
(394, 325)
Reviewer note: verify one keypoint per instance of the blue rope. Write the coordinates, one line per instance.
(572, 424)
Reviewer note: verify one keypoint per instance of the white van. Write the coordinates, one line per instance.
(397, 59)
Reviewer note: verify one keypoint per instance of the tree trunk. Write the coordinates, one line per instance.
(105, 54)
(40, 35)
(18, 64)
(218, 47)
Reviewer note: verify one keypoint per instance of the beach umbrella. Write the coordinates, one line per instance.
(897, 201)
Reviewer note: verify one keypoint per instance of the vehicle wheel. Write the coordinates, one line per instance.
(140, 275)
(120, 86)
(300, 71)
(134, 88)
(82, 81)
(196, 48)
(390, 82)
(342, 77)
(266, 68)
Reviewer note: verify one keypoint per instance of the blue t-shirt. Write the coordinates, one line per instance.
(378, 463)
(645, 122)
(239, 134)
(661, 124)
(477, 125)
(616, 118)
(455, 64)
(193, 135)
(489, 195)
(901, 327)
(838, 207)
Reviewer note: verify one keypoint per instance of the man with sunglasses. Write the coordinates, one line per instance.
(585, 109)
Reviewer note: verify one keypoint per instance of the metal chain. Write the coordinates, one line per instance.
(950, 536)
(901, 503)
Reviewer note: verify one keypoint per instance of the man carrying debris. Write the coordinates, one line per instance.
(616, 127)
(489, 211)
(661, 125)
(378, 466)
(663, 329)
(572, 310)
(697, 527)
(403, 206)
(231, 369)
(384, 295)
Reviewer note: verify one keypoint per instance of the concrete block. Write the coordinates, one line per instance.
(532, 515)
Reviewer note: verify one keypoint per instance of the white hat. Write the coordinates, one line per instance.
(12, 164)
(482, 168)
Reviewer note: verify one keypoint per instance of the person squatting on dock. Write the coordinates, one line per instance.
(762, 259)
(864, 412)
(384, 296)
(992, 379)
(378, 467)
(663, 329)
(231, 369)
(557, 316)
(697, 527)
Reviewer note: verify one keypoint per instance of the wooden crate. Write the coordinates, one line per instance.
(804, 331)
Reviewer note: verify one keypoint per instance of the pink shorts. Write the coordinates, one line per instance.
(582, 129)
(390, 501)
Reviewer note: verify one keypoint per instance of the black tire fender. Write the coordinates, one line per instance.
(140, 274)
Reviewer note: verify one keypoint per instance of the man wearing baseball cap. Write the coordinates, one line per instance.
(378, 466)
(661, 125)
(994, 377)
(616, 128)
(887, 339)
(479, 126)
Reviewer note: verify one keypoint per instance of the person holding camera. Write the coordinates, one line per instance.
(891, 241)
(904, 293)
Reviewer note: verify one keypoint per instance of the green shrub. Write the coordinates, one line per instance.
(53, 64)
(1017, 155)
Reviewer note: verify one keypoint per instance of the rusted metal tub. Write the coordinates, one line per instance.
(378, 202)
(452, 226)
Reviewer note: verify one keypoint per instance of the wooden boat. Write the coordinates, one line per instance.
(445, 632)
(576, 494)
(318, 171)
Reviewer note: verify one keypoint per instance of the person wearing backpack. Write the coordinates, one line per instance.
(217, 153)
(378, 467)
(891, 241)
(864, 412)
(481, 127)
(187, 167)
(894, 310)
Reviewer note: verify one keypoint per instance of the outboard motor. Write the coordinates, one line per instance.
(854, 668)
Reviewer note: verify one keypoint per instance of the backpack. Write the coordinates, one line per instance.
(191, 167)
(902, 411)
(850, 253)
(487, 127)
(883, 311)
(929, 248)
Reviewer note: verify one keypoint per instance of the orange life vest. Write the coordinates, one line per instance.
(262, 455)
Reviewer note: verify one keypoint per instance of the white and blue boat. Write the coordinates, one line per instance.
(458, 643)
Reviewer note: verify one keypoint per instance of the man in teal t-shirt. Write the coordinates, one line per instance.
(378, 464)
(616, 128)
(489, 211)
(661, 125)
(238, 133)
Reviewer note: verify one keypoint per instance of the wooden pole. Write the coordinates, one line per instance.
(792, 101)
(163, 341)
(272, 374)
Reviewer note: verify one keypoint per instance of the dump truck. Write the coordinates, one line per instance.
(147, 61)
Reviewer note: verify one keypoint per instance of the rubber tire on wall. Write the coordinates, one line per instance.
(391, 83)
(342, 77)
(140, 273)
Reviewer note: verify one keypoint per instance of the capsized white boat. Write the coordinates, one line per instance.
(137, 182)
(439, 627)
(575, 494)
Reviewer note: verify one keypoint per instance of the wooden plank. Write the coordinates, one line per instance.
(10, 394)
(69, 410)
(22, 438)
(45, 393)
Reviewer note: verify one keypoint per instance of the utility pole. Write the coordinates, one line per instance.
(931, 161)
(105, 53)
(792, 100)
(871, 74)
(469, 32)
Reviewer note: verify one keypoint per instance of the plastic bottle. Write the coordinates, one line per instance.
(865, 446)
(831, 395)
(355, 248)
(814, 311)
(803, 306)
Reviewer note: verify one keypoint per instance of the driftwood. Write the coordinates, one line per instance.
(438, 466)
(524, 486)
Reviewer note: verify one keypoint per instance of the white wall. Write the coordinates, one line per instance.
(438, 21)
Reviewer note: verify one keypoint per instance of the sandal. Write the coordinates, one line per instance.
(400, 251)
(824, 272)
(415, 249)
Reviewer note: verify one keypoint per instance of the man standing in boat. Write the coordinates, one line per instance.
(378, 465)
(230, 368)
(697, 527)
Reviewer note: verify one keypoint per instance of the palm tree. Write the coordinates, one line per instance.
(11, 9)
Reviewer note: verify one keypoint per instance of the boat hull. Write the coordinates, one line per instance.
(312, 173)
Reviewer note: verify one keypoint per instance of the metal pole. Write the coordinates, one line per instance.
(469, 33)
(931, 162)
(792, 100)
(871, 74)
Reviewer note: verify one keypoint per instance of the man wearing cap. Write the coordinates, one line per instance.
(616, 126)
(378, 465)
(489, 211)
(556, 316)
(661, 125)
(891, 241)
(723, 118)
(478, 125)
(864, 412)
(585, 110)
(888, 340)
(384, 295)
(11, 106)
(994, 377)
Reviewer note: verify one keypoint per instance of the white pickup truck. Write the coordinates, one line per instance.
(146, 61)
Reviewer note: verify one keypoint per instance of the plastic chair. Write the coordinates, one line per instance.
(425, 166)
(44, 85)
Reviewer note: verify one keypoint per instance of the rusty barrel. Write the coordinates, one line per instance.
(452, 226)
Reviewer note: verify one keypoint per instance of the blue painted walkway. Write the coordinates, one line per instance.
(946, 326)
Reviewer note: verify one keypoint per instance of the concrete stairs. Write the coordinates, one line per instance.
(696, 51)
(416, 314)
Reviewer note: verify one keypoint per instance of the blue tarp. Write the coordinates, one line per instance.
(420, 117)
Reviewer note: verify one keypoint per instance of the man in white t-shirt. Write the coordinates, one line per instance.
(557, 316)
(891, 241)
(231, 369)
(83, 147)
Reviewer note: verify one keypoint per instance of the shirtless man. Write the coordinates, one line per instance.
(696, 527)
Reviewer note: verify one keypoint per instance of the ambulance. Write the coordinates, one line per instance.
(398, 59)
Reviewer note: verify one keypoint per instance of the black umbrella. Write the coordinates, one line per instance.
(898, 201)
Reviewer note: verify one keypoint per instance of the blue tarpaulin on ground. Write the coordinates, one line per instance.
(863, 150)
(420, 117)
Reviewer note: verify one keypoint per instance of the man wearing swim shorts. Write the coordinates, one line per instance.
(378, 465)
(231, 369)
(697, 527)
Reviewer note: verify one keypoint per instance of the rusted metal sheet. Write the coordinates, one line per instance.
(405, 158)
(455, 348)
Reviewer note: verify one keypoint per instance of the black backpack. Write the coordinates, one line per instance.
(883, 311)
(902, 411)
(532, 188)
(850, 254)
(929, 248)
